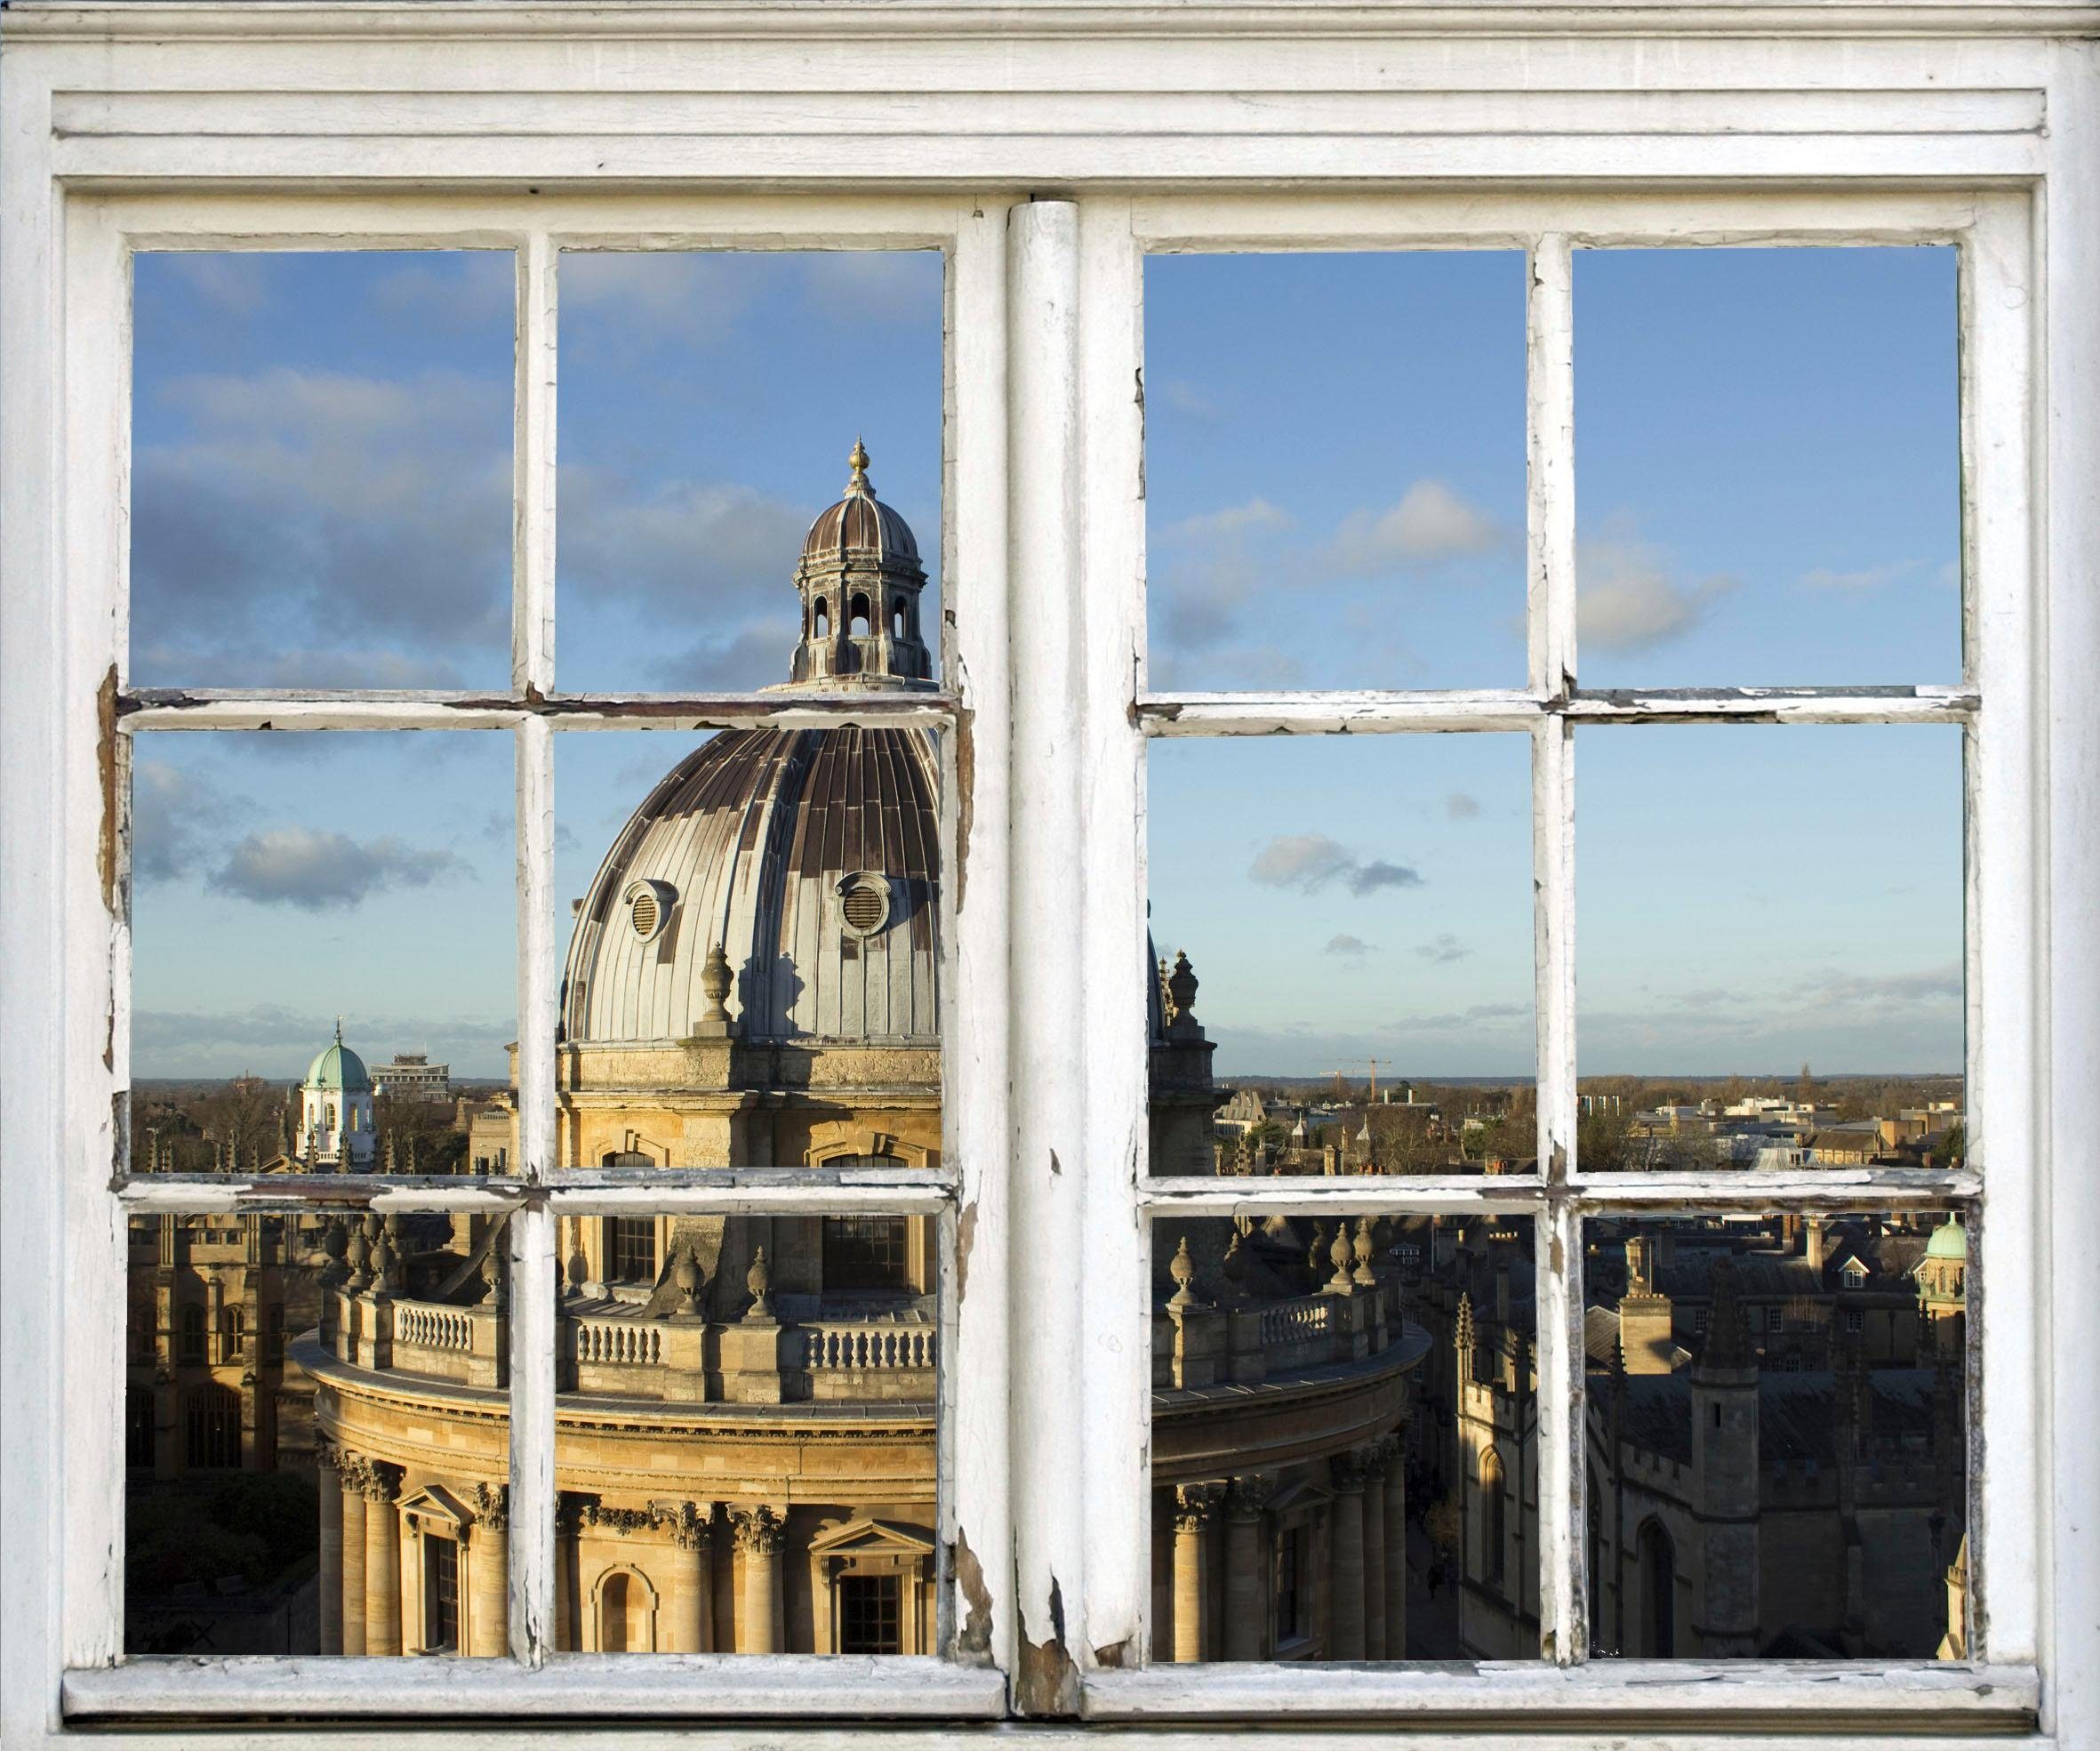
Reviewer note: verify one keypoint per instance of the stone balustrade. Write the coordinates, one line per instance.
(1205, 1346)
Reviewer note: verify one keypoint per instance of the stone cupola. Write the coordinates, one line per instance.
(859, 580)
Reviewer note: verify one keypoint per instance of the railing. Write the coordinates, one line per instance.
(623, 1342)
(428, 1326)
(864, 1347)
(1309, 1318)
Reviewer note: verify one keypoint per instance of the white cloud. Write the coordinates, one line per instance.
(229, 282)
(176, 816)
(1185, 398)
(1431, 524)
(317, 869)
(1232, 522)
(1310, 861)
(1350, 948)
(1628, 601)
(1446, 949)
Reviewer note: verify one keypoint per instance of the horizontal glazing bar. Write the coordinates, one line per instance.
(699, 1195)
(1843, 1188)
(176, 708)
(1372, 713)
(791, 1686)
(211, 1194)
(1944, 1698)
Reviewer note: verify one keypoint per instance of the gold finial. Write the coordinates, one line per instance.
(859, 460)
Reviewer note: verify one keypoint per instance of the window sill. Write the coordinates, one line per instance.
(1624, 1695)
(578, 1686)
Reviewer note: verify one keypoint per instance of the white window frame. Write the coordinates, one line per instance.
(1877, 121)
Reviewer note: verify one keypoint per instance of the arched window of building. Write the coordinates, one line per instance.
(211, 1428)
(618, 1633)
(897, 618)
(631, 1249)
(823, 619)
(330, 1121)
(1493, 1519)
(192, 1349)
(230, 1333)
(857, 617)
(1657, 1556)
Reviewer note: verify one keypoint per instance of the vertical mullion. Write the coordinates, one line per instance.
(533, 463)
(1117, 1375)
(533, 1227)
(1048, 878)
(1550, 518)
(975, 1356)
(2004, 952)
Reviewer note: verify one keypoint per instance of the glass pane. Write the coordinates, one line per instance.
(1776, 1450)
(1769, 466)
(321, 472)
(745, 1449)
(710, 404)
(1334, 470)
(323, 948)
(1356, 912)
(284, 1495)
(1344, 1452)
(753, 960)
(1767, 982)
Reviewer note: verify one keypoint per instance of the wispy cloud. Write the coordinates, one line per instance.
(1462, 806)
(319, 871)
(1186, 398)
(178, 818)
(1309, 862)
(1629, 598)
(1872, 577)
(1350, 948)
(273, 1041)
(1444, 950)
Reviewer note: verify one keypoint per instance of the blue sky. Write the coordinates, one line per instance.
(1767, 492)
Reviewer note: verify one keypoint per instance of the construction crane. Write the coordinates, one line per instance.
(1342, 1094)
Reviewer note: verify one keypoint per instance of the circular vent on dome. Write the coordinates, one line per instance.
(863, 904)
(648, 906)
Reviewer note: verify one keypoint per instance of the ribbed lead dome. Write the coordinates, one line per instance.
(810, 856)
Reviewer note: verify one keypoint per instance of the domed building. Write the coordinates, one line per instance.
(745, 1450)
(335, 1110)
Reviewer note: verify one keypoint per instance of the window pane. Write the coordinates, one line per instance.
(1777, 1449)
(285, 1493)
(323, 948)
(1334, 470)
(1344, 1460)
(710, 403)
(753, 948)
(1769, 466)
(1356, 913)
(767, 1485)
(321, 461)
(1770, 932)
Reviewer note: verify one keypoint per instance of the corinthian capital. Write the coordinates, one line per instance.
(759, 1530)
(692, 1527)
(1194, 1504)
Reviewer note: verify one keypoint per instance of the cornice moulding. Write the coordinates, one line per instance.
(149, 21)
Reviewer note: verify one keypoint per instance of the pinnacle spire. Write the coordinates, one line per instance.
(858, 462)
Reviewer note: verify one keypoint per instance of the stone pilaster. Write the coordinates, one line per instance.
(567, 1510)
(1246, 1616)
(331, 1603)
(1346, 1568)
(1195, 1507)
(1396, 1548)
(759, 1535)
(1375, 1536)
(382, 1560)
(693, 1598)
(352, 1602)
(488, 1555)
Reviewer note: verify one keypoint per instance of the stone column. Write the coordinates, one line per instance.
(331, 1493)
(1345, 1574)
(692, 1601)
(1396, 1549)
(758, 1535)
(352, 1602)
(488, 1618)
(382, 1560)
(1374, 1553)
(1246, 1618)
(565, 1639)
(1194, 1504)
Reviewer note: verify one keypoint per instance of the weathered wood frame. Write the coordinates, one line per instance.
(1541, 126)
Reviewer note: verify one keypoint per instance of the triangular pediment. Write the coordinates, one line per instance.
(862, 1537)
(434, 1505)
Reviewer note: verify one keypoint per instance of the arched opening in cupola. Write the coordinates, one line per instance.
(857, 622)
(823, 619)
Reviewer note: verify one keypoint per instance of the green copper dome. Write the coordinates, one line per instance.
(1949, 1240)
(339, 1067)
